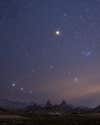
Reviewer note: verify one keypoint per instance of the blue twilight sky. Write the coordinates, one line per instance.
(50, 49)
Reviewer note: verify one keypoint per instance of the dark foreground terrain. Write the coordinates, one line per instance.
(68, 119)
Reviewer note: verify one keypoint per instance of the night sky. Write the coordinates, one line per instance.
(50, 49)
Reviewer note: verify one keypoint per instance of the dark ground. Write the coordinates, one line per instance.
(69, 119)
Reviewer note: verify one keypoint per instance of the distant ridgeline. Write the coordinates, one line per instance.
(48, 108)
(56, 109)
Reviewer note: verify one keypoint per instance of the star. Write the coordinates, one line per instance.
(65, 14)
(33, 70)
(30, 92)
(76, 79)
(51, 67)
(57, 32)
(21, 89)
(87, 53)
(13, 85)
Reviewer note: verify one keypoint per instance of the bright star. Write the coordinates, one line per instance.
(57, 32)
